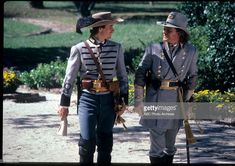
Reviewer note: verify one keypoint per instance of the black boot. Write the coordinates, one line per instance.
(103, 158)
(169, 159)
(104, 148)
(86, 151)
(86, 159)
(157, 160)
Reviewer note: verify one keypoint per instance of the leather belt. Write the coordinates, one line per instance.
(96, 85)
(169, 85)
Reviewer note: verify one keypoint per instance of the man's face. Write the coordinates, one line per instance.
(107, 31)
(170, 35)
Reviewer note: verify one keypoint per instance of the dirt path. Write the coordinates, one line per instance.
(60, 27)
(56, 26)
(29, 135)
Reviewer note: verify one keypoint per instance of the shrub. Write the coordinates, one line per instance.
(216, 65)
(221, 52)
(131, 94)
(131, 78)
(201, 41)
(10, 80)
(199, 38)
(45, 75)
(133, 57)
(214, 96)
(27, 79)
(195, 12)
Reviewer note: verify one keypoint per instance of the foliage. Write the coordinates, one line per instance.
(10, 80)
(200, 96)
(222, 47)
(200, 40)
(131, 94)
(214, 96)
(45, 75)
(131, 78)
(136, 61)
(224, 101)
(195, 11)
(216, 65)
(132, 58)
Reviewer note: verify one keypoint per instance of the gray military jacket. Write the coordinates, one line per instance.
(81, 63)
(184, 59)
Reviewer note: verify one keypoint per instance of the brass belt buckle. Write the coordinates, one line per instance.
(97, 84)
(166, 85)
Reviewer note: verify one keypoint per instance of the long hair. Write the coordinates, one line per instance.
(183, 36)
(95, 30)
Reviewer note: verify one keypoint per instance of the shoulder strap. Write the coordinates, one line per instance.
(169, 62)
(96, 62)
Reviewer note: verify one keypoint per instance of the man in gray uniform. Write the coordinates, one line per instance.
(96, 108)
(164, 83)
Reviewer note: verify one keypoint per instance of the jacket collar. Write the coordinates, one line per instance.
(95, 41)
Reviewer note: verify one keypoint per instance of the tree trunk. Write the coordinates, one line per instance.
(37, 4)
(84, 7)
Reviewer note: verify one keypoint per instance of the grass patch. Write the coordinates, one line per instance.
(129, 34)
(14, 28)
(49, 40)
(132, 35)
(136, 31)
(136, 6)
(52, 9)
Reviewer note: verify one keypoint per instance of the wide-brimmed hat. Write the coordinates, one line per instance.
(96, 20)
(175, 20)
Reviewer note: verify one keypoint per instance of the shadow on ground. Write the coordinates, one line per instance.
(34, 121)
(212, 144)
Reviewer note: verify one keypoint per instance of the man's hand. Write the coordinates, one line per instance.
(121, 110)
(63, 112)
(138, 109)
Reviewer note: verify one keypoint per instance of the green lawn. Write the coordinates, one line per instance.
(22, 51)
(52, 9)
(129, 34)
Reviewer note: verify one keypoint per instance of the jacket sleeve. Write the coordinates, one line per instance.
(72, 68)
(192, 72)
(140, 76)
(122, 75)
(144, 66)
(191, 77)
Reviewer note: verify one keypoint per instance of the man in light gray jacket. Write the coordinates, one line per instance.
(96, 104)
(163, 83)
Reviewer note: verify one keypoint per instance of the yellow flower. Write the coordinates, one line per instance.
(217, 91)
(5, 75)
(219, 106)
(205, 92)
(10, 80)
